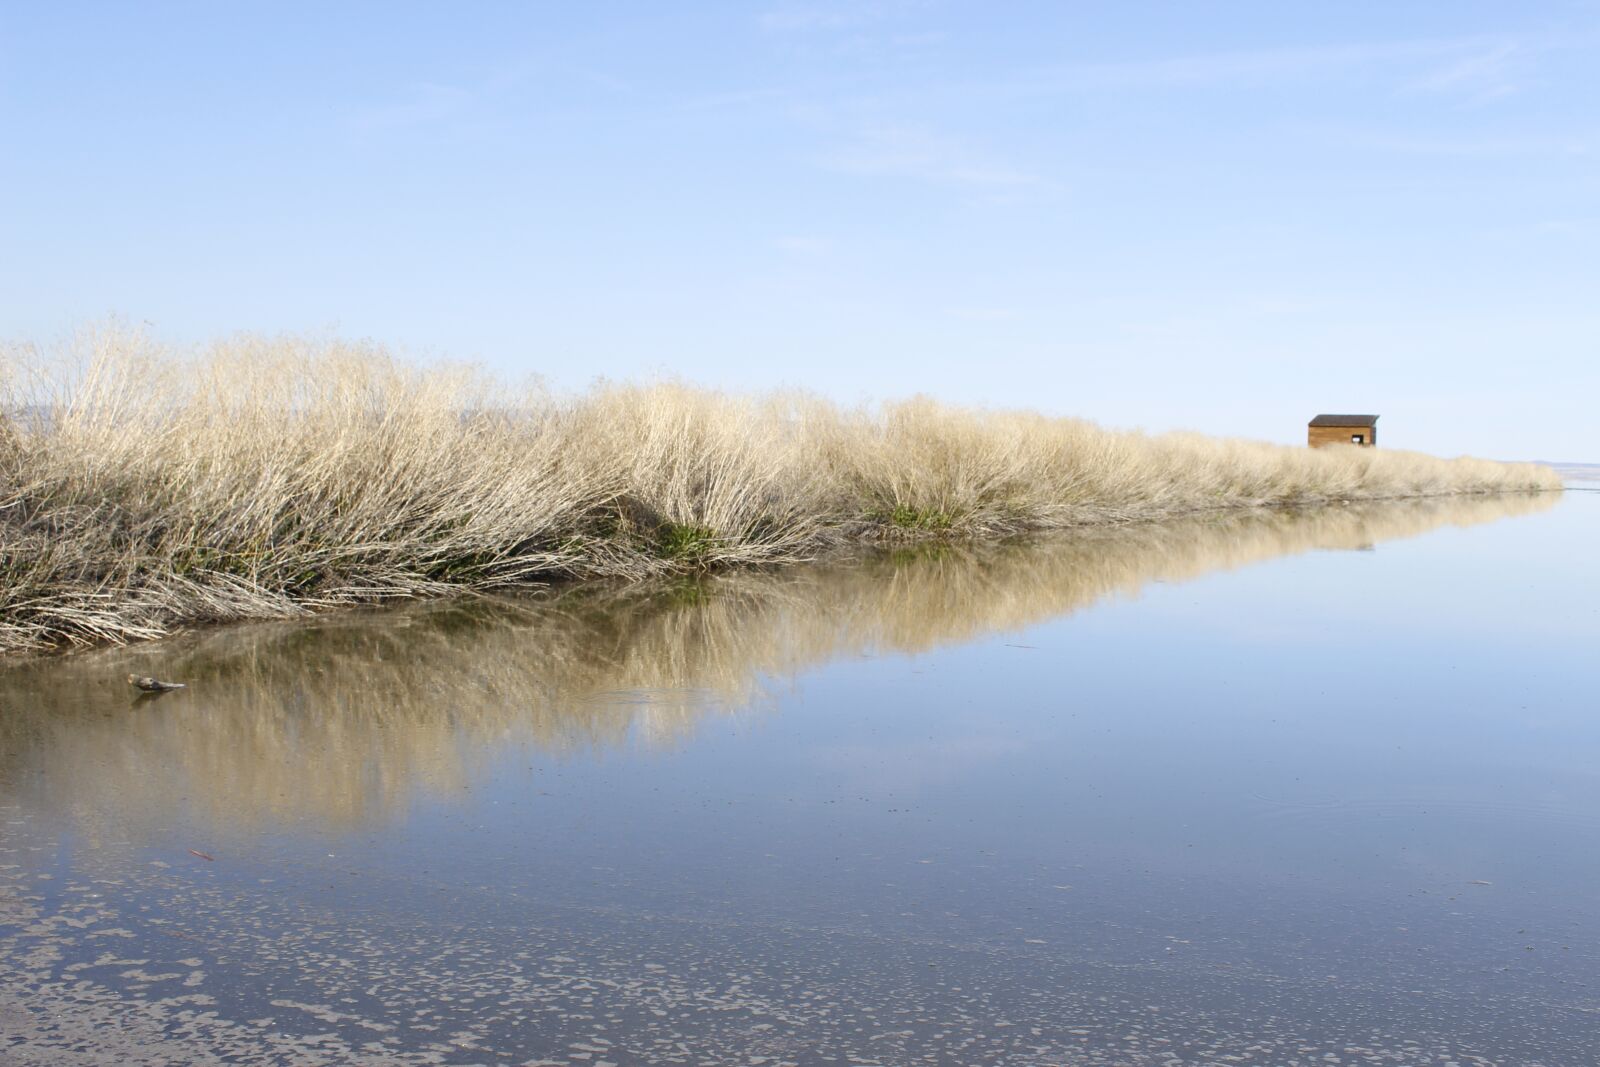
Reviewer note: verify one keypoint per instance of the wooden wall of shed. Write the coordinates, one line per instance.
(1322, 436)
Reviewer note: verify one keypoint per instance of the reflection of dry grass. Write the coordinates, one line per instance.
(342, 718)
(141, 488)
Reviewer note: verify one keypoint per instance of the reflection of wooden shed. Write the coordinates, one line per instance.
(1342, 430)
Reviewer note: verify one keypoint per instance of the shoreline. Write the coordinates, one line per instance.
(838, 552)
(151, 488)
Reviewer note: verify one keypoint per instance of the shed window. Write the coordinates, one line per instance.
(1358, 439)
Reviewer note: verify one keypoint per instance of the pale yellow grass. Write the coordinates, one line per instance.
(143, 488)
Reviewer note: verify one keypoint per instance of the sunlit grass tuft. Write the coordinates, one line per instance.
(142, 488)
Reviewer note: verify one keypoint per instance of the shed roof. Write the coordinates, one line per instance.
(1345, 420)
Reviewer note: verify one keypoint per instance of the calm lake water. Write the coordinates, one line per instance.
(1271, 789)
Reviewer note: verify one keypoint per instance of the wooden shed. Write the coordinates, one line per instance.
(1327, 430)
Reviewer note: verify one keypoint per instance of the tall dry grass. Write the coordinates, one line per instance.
(142, 487)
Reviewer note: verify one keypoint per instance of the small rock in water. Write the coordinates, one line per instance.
(153, 685)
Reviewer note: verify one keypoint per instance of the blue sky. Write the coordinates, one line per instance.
(1224, 217)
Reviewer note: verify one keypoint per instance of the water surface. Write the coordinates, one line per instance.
(1275, 788)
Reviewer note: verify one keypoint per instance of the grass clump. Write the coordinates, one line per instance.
(683, 541)
(143, 488)
(904, 517)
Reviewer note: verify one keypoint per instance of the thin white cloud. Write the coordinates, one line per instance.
(983, 314)
(802, 245)
(1447, 62)
(923, 155)
(429, 103)
(788, 18)
(1573, 146)
(801, 16)
(1585, 228)
(1488, 73)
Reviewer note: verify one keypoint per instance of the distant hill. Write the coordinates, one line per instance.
(1576, 472)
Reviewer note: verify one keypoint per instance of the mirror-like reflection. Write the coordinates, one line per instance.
(343, 720)
(1085, 800)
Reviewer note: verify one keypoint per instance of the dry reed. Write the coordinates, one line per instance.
(143, 488)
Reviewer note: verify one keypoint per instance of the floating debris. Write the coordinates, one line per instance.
(153, 685)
